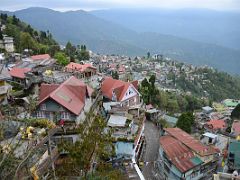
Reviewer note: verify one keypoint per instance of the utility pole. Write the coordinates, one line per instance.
(50, 153)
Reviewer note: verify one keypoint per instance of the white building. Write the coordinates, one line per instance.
(7, 43)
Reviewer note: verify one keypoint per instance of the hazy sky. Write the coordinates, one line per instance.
(64, 5)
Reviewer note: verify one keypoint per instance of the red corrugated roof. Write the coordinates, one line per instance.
(79, 67)
(40, 57)
(135, 84)
(71, 94)
(19, 72)
(47, 89)
(119, 87)
(177, 153)
(216, 124)
(190, 141)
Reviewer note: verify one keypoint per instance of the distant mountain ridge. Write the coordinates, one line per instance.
(107, 37)
(204, 25)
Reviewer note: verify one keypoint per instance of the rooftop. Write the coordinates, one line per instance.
(179, 154)
(216, 124)
(117, 121)
(119, 87)
(40, 57)
(4, 73)
(192, 143)
(71, 94)
(211, 135)
(19, 72)
(231, 102)
(79, 67)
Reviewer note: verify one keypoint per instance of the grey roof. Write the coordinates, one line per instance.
(124, 149)
(4, 73)
(207, 108)
(107, 105)
(152, 111)
(170, 119)
(211, 135)
(117, 121)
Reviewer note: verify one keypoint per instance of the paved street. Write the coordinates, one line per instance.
(152, 140)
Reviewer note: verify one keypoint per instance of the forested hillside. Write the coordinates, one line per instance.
(25, 37)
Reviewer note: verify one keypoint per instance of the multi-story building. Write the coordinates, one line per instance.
(183, 157)
(125, 93)
(7, 43)
(68, 101)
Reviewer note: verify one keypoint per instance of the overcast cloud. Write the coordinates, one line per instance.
(65, 5)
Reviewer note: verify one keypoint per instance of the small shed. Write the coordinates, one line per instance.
(207, 109)
(117, 121)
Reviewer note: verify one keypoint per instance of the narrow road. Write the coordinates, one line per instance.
(152, 147)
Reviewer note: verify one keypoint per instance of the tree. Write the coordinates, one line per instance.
(4, 17)
(185, 122)
(152, 80)
(29, 30)
(61, 58)
(115, 75)
(83, 53)
(68, 48)
(145, 86)
(27, 42)
(172, 105)
(1, 36)
(236, 113)
(162, 100)
(43, 35)
(15, 20)
(93, 142)
(148, 55)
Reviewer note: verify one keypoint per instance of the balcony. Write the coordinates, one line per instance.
(4, 89)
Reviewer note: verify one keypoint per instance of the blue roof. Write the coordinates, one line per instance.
(170, 119)
(124, 148)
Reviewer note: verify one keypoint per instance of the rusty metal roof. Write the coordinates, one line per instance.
(192, 143)
(179, 154)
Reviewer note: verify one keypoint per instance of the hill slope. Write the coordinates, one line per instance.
(25, 37)
(106, 37)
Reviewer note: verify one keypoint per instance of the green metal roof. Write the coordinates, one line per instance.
(230, 103)
(196, 160)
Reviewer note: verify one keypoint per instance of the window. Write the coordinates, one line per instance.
(65, 115)
(43, 106)
(40, 114)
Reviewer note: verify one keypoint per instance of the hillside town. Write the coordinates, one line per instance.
(102, 115)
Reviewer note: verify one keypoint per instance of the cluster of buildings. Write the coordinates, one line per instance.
(69, 93)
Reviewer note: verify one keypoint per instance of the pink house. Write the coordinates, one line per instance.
(124, 92)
